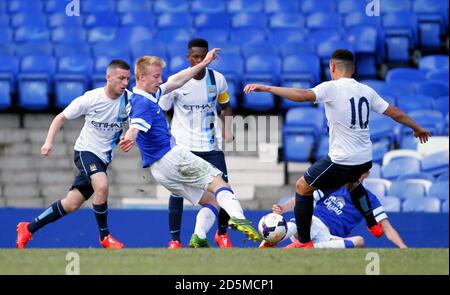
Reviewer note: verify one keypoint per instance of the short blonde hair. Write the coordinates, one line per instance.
(142, 64)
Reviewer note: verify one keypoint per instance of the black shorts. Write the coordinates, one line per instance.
(328, 176)
(88, 164)
(217, 159)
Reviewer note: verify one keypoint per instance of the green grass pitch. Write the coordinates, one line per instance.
(156, 261)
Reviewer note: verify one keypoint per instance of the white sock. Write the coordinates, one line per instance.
(228, 202)
(291, 230)
(205, 220)
(331, 244)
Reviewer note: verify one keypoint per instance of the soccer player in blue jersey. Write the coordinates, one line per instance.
(195, 126)
(105, 114)
(176, 168)
(335, 216)
(347, 107)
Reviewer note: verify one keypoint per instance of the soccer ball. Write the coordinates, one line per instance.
(272, 227)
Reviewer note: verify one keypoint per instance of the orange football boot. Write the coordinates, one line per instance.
(110, 242)
(174, 245)
(223, 241)
(23, 235)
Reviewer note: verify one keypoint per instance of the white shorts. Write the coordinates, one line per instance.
(184, 174)
(319, 231)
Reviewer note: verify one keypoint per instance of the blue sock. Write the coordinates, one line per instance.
(303, 211)
(349, 244)
(51, 214)
(101, 215)
(175, 215)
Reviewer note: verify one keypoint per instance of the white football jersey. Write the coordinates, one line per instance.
(347, 104)
(104, 121)
(195, 123)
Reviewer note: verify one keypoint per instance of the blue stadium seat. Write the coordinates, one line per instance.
(219, 20)
(235, 6)
(33, 95)
(213, 35)
(410, 188)
(138, 18)
(433, 88)
(415, 102)
(174, 20)
(101, 34)
(24, 5)
(126, 6)
(323, 20)
(262, 67)
(322, 148)
(301, 68)
(433, 21)
(28, 18)
(177, 63)
(100, 64)
(382, 127)
(249, 20)
(60, 19)
(288, 104)
(102, 19)
(258, 47)
(376, 85)
(392, 6)
(305, 121)
(288, 19)
(63, 49)
(208, 6)
(95, 6)
(311, 6)
(436, 163)
(127, 36)
(442, 177)
(408, 143)
(172, 6)
(397, 154)
(5, 93)
(375, 171)
(433, 62)
(405, 74)
(361, 18)
(71, 79)
(286, 35)
(347, 6)
(420, 204)
(379, 148)
(438, 75)
(401, 35)
(296, 47)
(30, 33)
(111, 49)
(390, 204)
(232, 93)
(173, 34)
(445, 206)
(60, 35)
(322, 35)
(258, 101)
(231, 65)
(8, 71)
(227, 47)
(297, 147)
(429, 119)
(378, 186)
(397, 88)
(399, 167)
(147, 47)
(439, 190)
(326, 48)
(441, 104)
(276, 6)
(420, 175)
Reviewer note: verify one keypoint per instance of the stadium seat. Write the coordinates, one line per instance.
(408, 143)
(439, 190)
(397, 88)
(173, 34)
(27, 48)
(305, 121)
(433, 21)
(433, 88)
(376, 85)
(262, 67)
(441, 104)
(391, 6)
(410, 188)
(236, 6)
(208, 6)
(347, 6)
(232, 93)
(177, 63)
(23, 5)
(147, 47)
(438, 75)
(101, 19)
(405, 74)
(436, 163)
(249, 20)
(258, 101)
(8, 70)
(323, 35)
(276, 6)
(433, 62)
(288, 104)
(390, 204)
(435, 144)
(399, 167)
(231, 65)
(63, 49)
(360, 18)
(419, 204)
(60, 19)
(33, 94)
(242, 35)
(379, 148)
(421, 175)
(322, 148)
(28, 18)
(258, 47)
(429, 119)
(382, 127)
(445, 206)
(174, 20)
(323, 20)
(401, 35)
(138, 18)
(375, 171)
(290, 35)
(172, 6)
(101, 34)
(288, 19)
(303, 68)
(95, 6)
(30, 33)
(212, 20)
(311, 6)
(296, 47)
(127, 36)
(77, 35)
(378, 186)
(52, 6)
(415, 102)
(297, 147)
(442, 177)
(212, 35)
(326, 48)
(127, 6)
(399, 154)
(5, 94)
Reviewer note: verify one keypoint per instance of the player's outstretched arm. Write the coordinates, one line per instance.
(295, 94)
(56, 124)
(399, 116)
(180, 78)
(127, 141)
(285, 207)
(392, 234)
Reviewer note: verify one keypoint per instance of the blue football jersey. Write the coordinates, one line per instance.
(154, 139)
(340, 215)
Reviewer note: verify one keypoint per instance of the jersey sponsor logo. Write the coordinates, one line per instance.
(208, 107)
(105, 126)
(335, 204)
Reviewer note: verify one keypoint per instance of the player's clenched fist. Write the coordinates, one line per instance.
(277, 209)
(126, 144)
(46, 149)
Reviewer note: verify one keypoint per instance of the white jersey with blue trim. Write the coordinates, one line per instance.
(347, 107)
(105, 118)
(195, 124)
(339, 214)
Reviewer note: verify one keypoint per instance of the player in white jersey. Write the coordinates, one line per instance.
(195, 126)
(347, 108)
(105, 114)
(176, 168)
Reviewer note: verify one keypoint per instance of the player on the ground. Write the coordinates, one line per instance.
(176, 168)
(335, 216)
(347, 107)
(196, 127)
(105, 114)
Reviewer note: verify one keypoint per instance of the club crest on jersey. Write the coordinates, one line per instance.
(212, 90)
(92, 167)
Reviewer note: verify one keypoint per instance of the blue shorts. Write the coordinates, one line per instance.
(328, 176)
(88, 164)
(217, 159)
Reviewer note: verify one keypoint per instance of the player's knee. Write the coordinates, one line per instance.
(302, 187)
(70, 204)
(102, 190)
